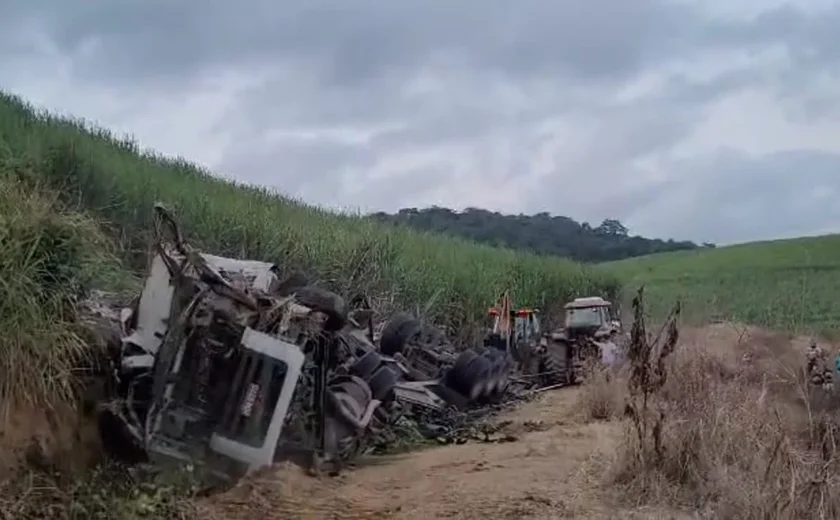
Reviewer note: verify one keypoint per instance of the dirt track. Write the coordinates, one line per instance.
(551, 470)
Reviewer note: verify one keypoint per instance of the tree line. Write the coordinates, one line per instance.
(541, 233)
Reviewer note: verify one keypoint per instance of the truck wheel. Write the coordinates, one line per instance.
(382, 384)
(455, 376)
(496, 372)
(503, 364)
(399, 330)
(478, 375)
(324, 301)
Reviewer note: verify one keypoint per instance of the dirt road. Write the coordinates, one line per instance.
(551, 470)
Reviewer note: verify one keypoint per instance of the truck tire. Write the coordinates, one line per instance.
(324, 301)
(496, 372)
(477, 377)
(505, 364)
(382, 384)
(455, 375)
(555, 364)
(397, 332)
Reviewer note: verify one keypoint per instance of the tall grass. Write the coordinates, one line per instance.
(783, 284)
(47, 258)
(452, 280)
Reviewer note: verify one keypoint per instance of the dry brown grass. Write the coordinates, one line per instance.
(603, 396)
(724, 424)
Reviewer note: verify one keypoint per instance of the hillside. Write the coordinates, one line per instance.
(76, 214)
(85, 209)
(450, 279)
(785, 284)
(541, 233)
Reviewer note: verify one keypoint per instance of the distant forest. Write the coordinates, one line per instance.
(541, 233)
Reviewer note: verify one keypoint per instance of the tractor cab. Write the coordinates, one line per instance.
(591, 315)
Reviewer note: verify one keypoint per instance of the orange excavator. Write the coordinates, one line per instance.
(515, 331)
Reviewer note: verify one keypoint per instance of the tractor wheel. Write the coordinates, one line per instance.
(324, 301)
(555, 364)
(402, 328)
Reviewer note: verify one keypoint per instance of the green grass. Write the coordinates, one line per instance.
(48, 256)
(452, 281)
(784, 284)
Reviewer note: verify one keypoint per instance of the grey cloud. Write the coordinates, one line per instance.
(339, 64)
(810, 38)
(356, 41)
(731, 197)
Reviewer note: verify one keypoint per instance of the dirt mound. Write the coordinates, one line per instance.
(61, 438)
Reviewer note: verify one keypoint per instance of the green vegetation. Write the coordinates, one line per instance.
(76, 213)
(541, 233)
(451, 280)
(47, 256)
(783, 284)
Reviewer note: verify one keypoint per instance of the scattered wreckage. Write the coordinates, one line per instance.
(222, 366)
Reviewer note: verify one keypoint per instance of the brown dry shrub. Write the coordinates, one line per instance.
(602, 397)
(729, 435)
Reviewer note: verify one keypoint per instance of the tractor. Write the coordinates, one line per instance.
(591, 327)
(558, 357)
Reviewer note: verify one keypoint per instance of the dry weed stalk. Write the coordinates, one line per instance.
(648, 374)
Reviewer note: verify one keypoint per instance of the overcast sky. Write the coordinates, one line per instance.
(710, 120)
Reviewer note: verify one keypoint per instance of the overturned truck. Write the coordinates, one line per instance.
(224, 367)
